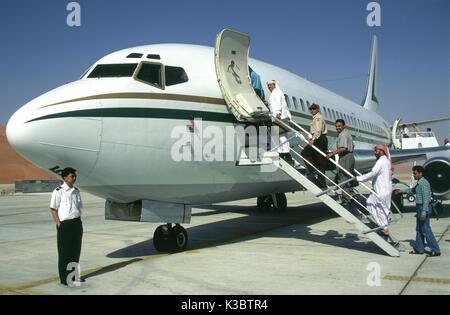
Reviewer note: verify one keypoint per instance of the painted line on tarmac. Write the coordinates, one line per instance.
(414, 275)
(418, 279)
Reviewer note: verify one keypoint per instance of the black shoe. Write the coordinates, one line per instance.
(433, 254)
(415, 252)
(287, 157)
(321, 185)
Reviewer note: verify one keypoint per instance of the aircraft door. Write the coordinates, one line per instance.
(231, 61)
(397, 144)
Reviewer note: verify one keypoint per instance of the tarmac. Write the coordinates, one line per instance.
(233, 250)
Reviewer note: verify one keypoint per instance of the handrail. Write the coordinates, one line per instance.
(284, 125)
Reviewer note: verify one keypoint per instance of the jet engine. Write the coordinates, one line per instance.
(437, 172)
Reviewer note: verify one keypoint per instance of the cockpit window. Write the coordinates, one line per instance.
(150, 73)
(113, 70)
(85, 72)
(175, 75)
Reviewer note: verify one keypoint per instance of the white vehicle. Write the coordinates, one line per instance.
(114, 125)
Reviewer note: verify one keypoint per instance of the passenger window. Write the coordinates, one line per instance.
(150, 73)
(288, 101)
(295, 102)
(113, 70)
(308, 105)
(175, 75)
(303, 104)
(334, 114)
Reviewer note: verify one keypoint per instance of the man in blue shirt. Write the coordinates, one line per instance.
(256, 83)
(423, 203)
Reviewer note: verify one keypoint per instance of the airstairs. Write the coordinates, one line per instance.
(359, 216)
(231, 62)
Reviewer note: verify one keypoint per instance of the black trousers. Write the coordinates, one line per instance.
(69, 235)
(316, 159)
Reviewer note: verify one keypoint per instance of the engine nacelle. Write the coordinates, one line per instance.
(437, 172)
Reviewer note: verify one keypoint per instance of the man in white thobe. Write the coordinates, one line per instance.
(379, 204)
(279, 109)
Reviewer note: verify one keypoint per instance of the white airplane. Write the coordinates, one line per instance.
(114, 125)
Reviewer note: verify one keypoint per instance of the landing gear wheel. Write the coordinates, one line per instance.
(161, 238)
(178, 238)
(281, 202)
(264, 203)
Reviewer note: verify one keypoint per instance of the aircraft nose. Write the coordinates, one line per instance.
(21, 136)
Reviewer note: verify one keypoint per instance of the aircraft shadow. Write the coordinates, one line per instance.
(110, 268)
(253, 224)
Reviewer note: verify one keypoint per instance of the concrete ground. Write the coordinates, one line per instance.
(233, 249)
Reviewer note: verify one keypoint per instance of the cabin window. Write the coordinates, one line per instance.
(150, 73)
(113, 70)
(175, 75)
(329, 114)
(308, 105)
(288, 101)
(334, 114)
(295, 102)
(303, 104)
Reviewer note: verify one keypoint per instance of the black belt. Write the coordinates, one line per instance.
(72, 220)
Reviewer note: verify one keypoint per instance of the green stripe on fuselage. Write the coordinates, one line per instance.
(163, 113)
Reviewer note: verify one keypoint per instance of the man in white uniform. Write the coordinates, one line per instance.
(279, 109)
(379, 204)
(65, 207)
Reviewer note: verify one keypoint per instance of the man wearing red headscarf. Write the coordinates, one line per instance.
(381, 175)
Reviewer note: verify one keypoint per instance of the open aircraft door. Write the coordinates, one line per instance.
(231, 60)
(397, 144)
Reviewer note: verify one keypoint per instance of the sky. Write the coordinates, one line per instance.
(326, 41)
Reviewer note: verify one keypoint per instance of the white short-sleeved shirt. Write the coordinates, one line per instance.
(67, 201)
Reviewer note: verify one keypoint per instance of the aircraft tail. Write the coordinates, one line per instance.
(371, 99)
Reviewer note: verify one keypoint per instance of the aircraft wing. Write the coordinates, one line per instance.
(426, 122)
(365, 159)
